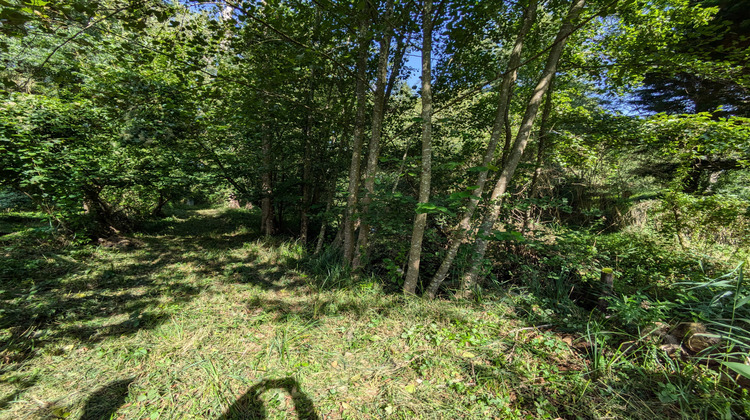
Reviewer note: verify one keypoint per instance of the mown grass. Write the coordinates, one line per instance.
(199, 317)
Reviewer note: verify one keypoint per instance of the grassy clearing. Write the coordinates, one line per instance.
(199, 317)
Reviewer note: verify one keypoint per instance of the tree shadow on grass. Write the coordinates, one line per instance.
(21, 387)
(52, 295)
(56, 311)
(251, 407)
(105, 401)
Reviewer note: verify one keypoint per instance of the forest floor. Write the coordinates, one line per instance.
(199, 317)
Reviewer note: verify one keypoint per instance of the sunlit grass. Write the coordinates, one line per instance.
(203, 311)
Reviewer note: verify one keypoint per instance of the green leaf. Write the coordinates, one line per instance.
(740, 368)
(512, 236)
(430, 208)
(459, 195)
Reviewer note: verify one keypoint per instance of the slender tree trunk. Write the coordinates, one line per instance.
(307, 165)
(330, 186)
(398, 60)
(268, 226)
(324, 222)
(508, 136)
(505, 94)
(420, 221)
(359, 133)
(308, 198)
(401, 167)
(470, 278)
(306, 181)
(373, 152)
(541, 148)
(158, 211)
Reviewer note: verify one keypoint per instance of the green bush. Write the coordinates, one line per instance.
(705, 220)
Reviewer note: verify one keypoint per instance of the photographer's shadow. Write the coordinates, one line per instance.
(251, 407)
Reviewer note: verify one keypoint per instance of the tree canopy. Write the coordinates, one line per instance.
(113, 109)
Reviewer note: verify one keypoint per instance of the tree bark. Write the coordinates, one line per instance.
(420, 221)
(307, 165)
(358, 138)
(158, 211)
(506, 87)
(308, 197)
(268, 226)
(470, 278)
(398, 60)
(541, 147)
(360, 252)
(324, 222)
(508, 136)
(107, 221)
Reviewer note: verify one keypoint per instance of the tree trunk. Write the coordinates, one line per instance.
(268, 226)
(308, 198)
(304, 221)
(508, 136)
(505, 93)
(398, 60)
(532, 108)
(420, 221)
(158, 211)
(107, 221)
(541, 147)
(359, 133)
(329, 188)
(324, 222)
(373, 152)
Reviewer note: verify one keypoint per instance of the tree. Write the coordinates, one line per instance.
(470, 278)
(420, 221)
(505, 94)
(717, 76)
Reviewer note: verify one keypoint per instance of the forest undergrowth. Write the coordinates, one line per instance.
(199, 316)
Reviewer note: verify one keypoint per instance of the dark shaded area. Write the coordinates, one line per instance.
(679, 89)
(251, 407)
(11, 223)
(686, 93)
(105, 401)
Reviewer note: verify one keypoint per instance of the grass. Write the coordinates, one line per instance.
(199, 317)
